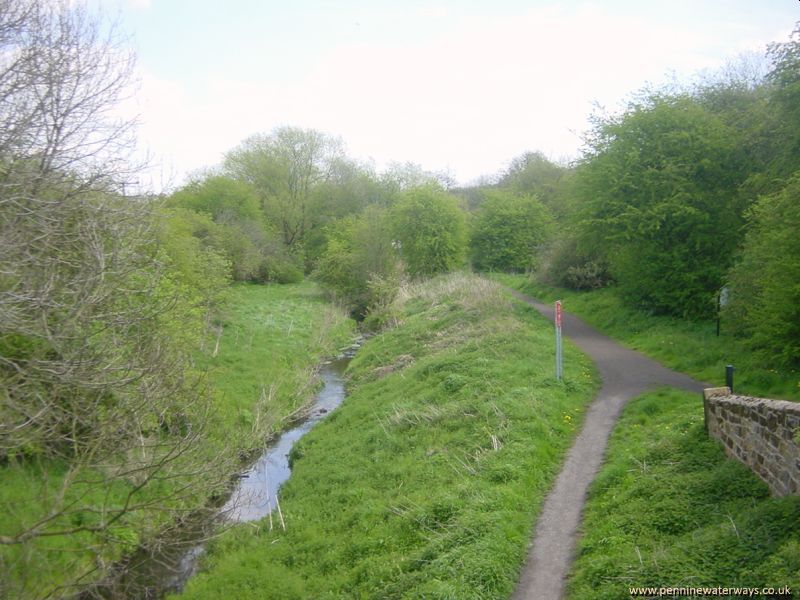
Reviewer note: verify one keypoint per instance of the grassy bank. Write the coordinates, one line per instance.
(260, 368)
(272, 339)
(686, 346)
(427, 480)
(668, 510)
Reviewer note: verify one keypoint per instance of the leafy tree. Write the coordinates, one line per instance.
(360, 265)
(221, 198)
(193, 246)
(284, 168)
(399, 177)
(508, 232)
(765, 283)
(431, 231)
(533, 174)
(237, 229)
(351, 189)
(785, 79)
(658, 192)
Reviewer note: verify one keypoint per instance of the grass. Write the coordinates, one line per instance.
(263, 373)
(426, 481)
(669, 510)
(686, 346)
(273, 338)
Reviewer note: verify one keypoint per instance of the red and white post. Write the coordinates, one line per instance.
(559, 354)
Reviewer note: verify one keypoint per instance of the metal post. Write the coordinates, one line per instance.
(559, 357)
(729, 377)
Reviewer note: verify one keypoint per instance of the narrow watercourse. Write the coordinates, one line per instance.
(150, 575)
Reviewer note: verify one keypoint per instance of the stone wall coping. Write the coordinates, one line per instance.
(717, 391)
(735, 399)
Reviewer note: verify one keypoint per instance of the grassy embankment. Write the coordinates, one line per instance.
(669, 510)
(271, 341)
(686, 346)
(426, 481)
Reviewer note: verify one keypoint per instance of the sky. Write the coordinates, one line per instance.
(460, 87)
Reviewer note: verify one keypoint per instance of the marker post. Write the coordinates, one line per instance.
(559, 356)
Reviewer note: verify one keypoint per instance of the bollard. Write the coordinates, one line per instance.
(729, 377)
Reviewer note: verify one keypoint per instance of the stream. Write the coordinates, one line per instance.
(255, 496)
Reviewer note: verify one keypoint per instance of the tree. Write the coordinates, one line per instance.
(399, 177)
(765, 299)
(784, 76)
(533, 174)
(221, 198)
(101, 422)
(508, 232)
(240, 231)
(284, 167)
(431, 231)
(659, 200)
(359, 265)
(351, 190)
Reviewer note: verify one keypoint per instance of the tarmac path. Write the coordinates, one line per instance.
(625, 374)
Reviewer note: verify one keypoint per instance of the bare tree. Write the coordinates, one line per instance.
(101, 430)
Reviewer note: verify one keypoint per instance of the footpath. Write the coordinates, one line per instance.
(625, 375)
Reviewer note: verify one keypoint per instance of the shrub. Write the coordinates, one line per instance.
(509, 232)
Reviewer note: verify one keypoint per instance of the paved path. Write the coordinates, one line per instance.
(625, 374)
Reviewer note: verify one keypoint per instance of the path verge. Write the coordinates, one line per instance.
(625, 374)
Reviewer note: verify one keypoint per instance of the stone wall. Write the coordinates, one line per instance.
(761, 433)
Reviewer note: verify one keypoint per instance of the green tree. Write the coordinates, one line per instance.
(784, 76)
(431, 231)
(284, 168)
(359, 265)
(533, 174)
(659, 198)
(102, 439)
(508, 232)
(765, 283)
(192, 244)
(350, 190)
(237, 229)
(222, 198)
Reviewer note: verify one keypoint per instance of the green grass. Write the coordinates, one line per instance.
(686, 346)
(425, 483)
(668, 510)
(272, 339)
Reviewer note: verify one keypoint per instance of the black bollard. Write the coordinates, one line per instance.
(729, 377)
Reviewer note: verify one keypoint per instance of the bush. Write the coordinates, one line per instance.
(279, 269)
(566, 265)
(359, 266)
(508, 232)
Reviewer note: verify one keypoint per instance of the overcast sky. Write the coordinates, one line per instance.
(453, 86)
